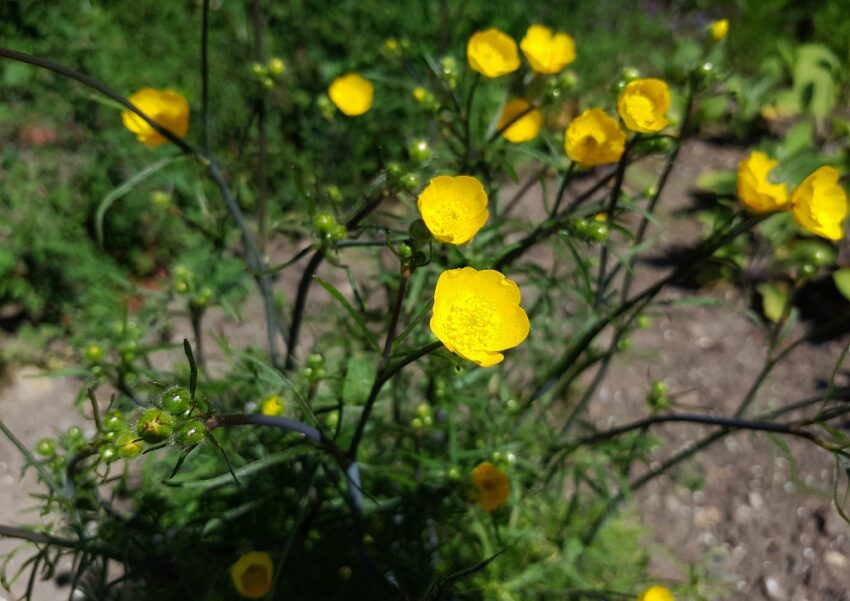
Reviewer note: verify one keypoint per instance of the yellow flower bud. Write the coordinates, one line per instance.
(352, 94)
(253, 574)
(546, 52)
(166, 107)
(754, 186)
(643, 105)
(719, 29)
(492, 53)
(272, 405)
(819, 204)
(492, 486)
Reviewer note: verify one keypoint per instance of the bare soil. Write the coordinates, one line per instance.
(752, 512)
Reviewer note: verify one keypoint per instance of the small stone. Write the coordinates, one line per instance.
(756, 501)
(774, 589)
(835, 559)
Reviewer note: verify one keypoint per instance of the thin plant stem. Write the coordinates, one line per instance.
(609, 214)
(384, 364)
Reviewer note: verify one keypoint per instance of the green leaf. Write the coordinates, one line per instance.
(358, 379)
(358, 319)
(774, 298)
(124, 188)
(842, 281)
(719, 183)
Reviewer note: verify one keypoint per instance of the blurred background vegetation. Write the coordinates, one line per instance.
(63, 151)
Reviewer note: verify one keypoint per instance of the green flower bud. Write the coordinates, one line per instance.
(155, 425)
(568, 81)
(339, 232)
(404, 250)
(630, 73)
(276, 67)
(176, 400)
(161, 199)
(128, 445)
(427, 421)
(324, 222)
(643, 321)
(332, 419)
(419, 150)
(267, 83)
(333, 193)
(114, 421)
(258, 70)
(423, 409)
(108, 454)
(596, 231)
(624, 344)
(512, 405)
(657, 397)
(94, 353)
(46, 447)
(807, 270)
(416, 423)
(192, 432)
(315, 360)
(410, 181)
(453, 473)
(448, 66)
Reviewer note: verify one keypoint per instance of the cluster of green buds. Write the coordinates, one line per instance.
(399, 179)
(411, 252)
(267, 74)
(449, 71)
(809, 256)
(395, 47)
(328, 228)
(171, 422)
(595, 230)
(184, 284)
(424, 420)
(426, 99)
(558, 87)
(184, 279)
(658, 396)
(326, 107)
(315, 370)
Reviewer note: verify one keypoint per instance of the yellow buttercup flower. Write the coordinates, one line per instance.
(477, 314)
(656, 593)
(754, 187)
(819, 204)
(524, 128)
(352, 94)
(594, 138)
(492, 486)
(643, 105)
(546, 52)
(453, 208)
(718, 29)
(272, 405)
(252, 574)
(492, 53)
(166, 107)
